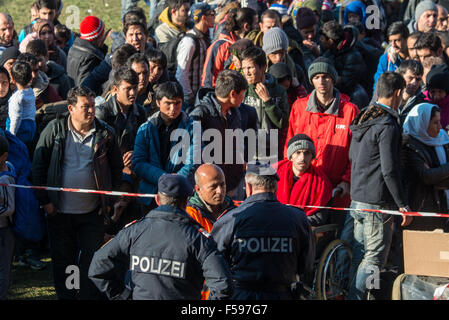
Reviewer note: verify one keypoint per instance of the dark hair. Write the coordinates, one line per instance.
(156, 56)
(3, 70)
(398, 27)
(238, 17)
(177, 202)
(37, 48)
(80, 91)
(21, 73)
(176, 4)
(4, 145)
(170, 90)
(428, 40)
(434, 110)
(256, 54)
(35, 5)
(62, 31)
(135, 13)
(239, 46)
(121, 55)
(333, 30)
(138, 58)
(388, 83)
(28, 58)
(49, 4)
(135, 22)
(414, 66)
(125, 74)
(229, 80)
(271, 14)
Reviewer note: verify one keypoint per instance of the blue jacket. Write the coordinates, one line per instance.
(146, 157)
(385, 64)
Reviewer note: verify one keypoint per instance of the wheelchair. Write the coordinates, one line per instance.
(333, 259)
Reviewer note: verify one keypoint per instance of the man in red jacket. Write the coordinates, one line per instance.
(302, 184)
(325, 115)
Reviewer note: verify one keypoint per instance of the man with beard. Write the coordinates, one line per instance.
(6, 32)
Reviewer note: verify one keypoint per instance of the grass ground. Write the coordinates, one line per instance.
(28, 284)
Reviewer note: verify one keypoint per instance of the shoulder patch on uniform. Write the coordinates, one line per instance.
(204, 232)
(131, 223)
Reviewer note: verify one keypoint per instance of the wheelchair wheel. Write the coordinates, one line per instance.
(330, 283)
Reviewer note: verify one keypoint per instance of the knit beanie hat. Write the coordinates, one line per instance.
(305, 18)
(322, 65)
(91, 28)
(438, 77)
(423, 6)
(280, 70)
(274, 39)
(300, 142)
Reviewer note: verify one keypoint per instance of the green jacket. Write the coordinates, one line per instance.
(49, 156)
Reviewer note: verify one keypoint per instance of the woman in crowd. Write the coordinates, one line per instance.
(426, 161)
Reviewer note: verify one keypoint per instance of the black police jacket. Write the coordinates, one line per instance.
(265, 242)
(168, 256)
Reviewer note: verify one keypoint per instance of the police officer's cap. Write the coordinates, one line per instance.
(262, 169)
(175, 185)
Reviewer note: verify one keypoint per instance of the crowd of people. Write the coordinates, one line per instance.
(325, 104)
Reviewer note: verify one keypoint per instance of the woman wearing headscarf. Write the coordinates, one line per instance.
(45, 31)
(426, 161)
(5, 94)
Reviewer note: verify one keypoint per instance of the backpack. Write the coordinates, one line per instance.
(170, 50)
(47, 113)
(28, 220)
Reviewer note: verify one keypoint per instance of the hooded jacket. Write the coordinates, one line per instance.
(208, 111)
(58, 79)
(348, 62)
(375, 155)
(167, 30)
(44, 91)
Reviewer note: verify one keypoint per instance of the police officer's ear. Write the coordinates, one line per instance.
(158, 202)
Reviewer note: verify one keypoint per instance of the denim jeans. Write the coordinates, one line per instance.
(372, 239)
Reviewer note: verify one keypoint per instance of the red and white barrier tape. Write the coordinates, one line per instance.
(129, 194)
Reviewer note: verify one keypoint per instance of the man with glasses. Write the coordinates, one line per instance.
(76, 151)
(191, 51)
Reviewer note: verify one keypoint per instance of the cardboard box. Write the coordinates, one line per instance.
(426, 253)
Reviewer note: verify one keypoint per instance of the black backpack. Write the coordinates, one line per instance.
(170, 47)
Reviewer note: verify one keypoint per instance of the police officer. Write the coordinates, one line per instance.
(265, 242)
(167, 253)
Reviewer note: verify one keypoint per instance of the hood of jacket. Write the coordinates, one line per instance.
(164, 17)
(54, 70)
(350, 39)
(40, 84)
(371, 116)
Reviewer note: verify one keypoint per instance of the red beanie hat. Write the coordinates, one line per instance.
(91, 28)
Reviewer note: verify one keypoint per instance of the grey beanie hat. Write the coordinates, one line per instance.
(423, 6)
(322, 65)
(274, 39)
(300, 142)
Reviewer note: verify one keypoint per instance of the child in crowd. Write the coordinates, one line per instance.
(62, 37)
(22, 104)
(34, 11)
(7, 207)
